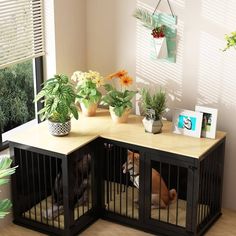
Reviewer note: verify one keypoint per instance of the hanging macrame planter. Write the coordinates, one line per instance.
(163, 32)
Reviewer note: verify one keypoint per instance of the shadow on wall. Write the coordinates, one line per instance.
(203, 74)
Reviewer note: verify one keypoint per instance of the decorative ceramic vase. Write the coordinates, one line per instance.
(59, 129)
(152, 126)
(90, 110)
(123, 118)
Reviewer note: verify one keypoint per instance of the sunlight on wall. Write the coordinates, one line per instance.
(209, 76)
(156, 73)
(220, 12)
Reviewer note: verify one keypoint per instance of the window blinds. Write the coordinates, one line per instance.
(21, 31)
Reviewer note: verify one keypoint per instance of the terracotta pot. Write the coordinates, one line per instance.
(90, 110)
(122, 119)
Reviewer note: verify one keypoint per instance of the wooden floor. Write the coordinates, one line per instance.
(225, 226)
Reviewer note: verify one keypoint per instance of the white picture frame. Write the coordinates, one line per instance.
(209, 121)
(187, 122)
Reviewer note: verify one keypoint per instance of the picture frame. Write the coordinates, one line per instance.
(209, 121)
(187, 122)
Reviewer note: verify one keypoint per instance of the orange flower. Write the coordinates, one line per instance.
(126, 80)
(118, 74)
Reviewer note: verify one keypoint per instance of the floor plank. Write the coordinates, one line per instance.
(224, 226)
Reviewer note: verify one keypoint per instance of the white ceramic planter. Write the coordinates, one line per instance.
(161, 47)
(152, 126)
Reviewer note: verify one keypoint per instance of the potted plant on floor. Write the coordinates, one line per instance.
(59, 103)
(119, 101)
(154, 106)
(5, 170)
(88, 95)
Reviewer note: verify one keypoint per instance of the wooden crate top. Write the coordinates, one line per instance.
(86, 129)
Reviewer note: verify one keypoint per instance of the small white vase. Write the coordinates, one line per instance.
(152, 126)
(161, 47)
(90, 110)
(123, 118)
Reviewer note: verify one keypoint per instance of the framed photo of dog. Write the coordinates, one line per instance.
(209, 121)
(187, 122)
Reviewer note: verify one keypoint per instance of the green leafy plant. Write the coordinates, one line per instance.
(147, 19)
(58, 98)
(154, 105)
(87, 84)
(16, 95)
(120, 100)
(5, 170)
(231, 40)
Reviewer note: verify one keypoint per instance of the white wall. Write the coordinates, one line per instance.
(65, 36)
(202, 75)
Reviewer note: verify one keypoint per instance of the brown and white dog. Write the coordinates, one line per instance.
(161, 197)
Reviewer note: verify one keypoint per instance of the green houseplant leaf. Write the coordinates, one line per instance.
(5, 170)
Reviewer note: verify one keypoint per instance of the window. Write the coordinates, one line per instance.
(19, 83)
(21, 50)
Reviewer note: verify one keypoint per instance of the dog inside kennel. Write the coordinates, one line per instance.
(39, 181)
(165, 187)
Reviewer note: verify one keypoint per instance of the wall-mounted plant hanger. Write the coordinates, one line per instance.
(163, 27)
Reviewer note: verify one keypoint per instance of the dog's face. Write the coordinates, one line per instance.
(132, 163)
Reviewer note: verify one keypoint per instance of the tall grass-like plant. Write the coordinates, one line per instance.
(5, 170)
(153, 105)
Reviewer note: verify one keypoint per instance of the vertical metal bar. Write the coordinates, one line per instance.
(88, 179)
(108, 179)
(215, 182)
(51, 186)
(120, 156)
(168, 207)
(114, 177)
(126, 189)
(82, 182)
(133, 187)
(45, 186)
(159, 209)
(202, 179)
(39, 189)
(33, 179)
(22, 172)
(177, 203)
(28, 184)
(58, 212)
(110, 173)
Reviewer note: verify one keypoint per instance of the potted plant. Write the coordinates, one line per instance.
(159, 38)
(158, 31)
(88, 95)
(5, 170)
(59, 104)
(119, 101)
(154, 106)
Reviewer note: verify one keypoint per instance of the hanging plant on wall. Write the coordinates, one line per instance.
(163, 32)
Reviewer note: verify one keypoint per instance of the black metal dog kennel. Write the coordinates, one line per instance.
(63, 193)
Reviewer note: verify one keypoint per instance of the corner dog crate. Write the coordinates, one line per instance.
(63, 185)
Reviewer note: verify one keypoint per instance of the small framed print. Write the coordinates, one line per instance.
(209, 121)
(187, 122)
